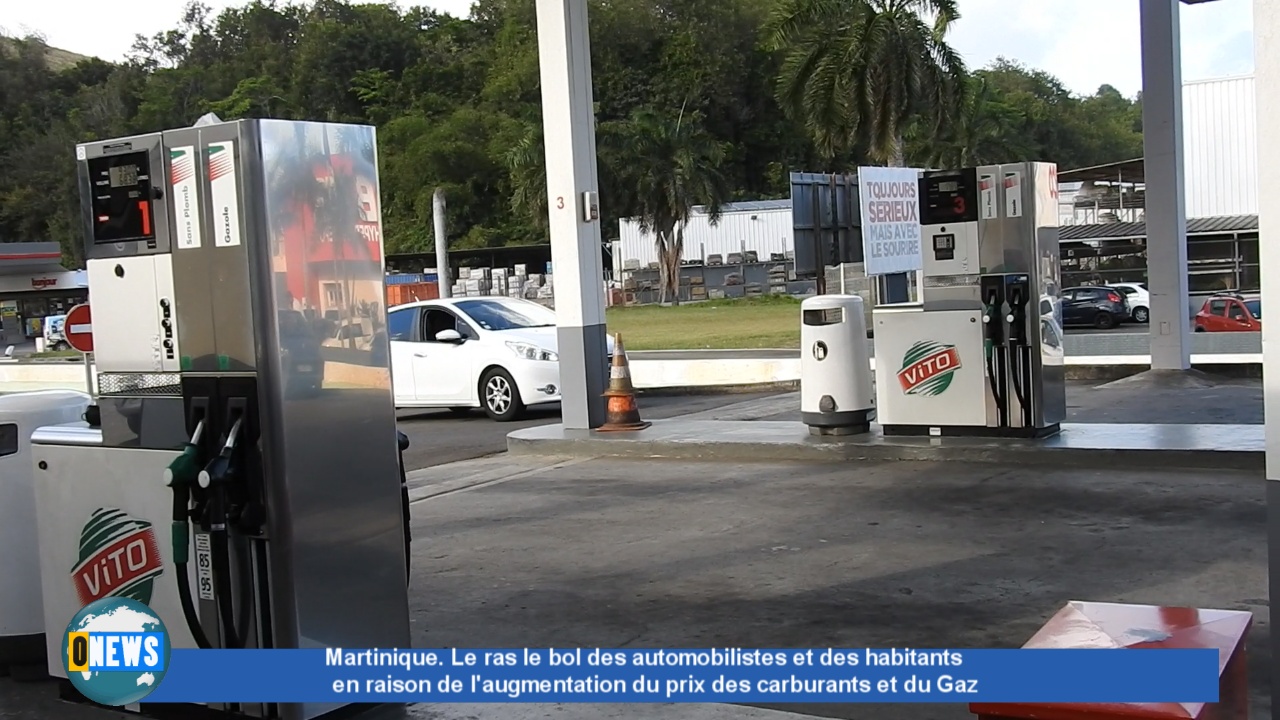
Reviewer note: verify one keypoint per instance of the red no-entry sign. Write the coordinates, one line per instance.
(78, 328)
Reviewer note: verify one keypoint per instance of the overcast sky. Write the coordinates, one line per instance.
(1086, 43)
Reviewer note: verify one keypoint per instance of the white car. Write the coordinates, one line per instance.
(495, 353)
(1138, 298)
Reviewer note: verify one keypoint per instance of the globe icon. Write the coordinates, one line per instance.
(116, 688)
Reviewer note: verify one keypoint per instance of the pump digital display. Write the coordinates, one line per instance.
(125, 176)
(950, 197)
(123, 198)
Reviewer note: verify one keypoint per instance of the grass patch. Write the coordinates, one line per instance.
(49, 354)
(769, 321)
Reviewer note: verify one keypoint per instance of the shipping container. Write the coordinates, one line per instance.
(402, 293)
(762, 226)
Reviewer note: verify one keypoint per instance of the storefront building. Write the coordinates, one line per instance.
(33, 286)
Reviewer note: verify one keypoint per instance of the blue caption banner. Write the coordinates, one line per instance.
(731, 675)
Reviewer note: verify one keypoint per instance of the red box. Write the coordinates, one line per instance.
(1110, 625)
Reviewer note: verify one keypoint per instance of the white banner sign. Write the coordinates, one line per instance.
(890, 201)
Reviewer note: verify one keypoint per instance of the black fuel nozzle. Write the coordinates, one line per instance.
(218, 471)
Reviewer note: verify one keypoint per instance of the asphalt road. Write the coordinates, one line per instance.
(437, 437)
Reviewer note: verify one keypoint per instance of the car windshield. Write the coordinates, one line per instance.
(1254, 307)
(494, 315)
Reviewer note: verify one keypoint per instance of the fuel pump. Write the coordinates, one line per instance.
(980, 354)
(222, 412)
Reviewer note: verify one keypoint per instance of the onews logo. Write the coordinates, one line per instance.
(116, 651)
(928, 368)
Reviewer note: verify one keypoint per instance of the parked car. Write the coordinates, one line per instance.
(495, 353)
(1230, 313)
(300, 357)
(1139, 300)
(54, 337)
(1099, 306)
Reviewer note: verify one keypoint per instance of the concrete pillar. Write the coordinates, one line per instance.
(1266, 58)
(1166, 206)
(568, 121)
(444, 276)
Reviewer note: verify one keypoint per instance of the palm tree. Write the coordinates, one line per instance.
(526, 161)
(856, 72)
(672, 165)
(983, 131)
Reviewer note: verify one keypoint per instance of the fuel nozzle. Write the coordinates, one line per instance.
(220, 467)
(185, 468)
(991, 320)
(1017, 314)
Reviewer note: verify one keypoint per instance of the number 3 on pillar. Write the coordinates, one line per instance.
(560, 203)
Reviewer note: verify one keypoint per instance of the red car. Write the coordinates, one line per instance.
(1230, 313)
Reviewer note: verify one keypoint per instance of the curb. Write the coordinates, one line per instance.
(782, 386)
(785, 444)
(1119, 372)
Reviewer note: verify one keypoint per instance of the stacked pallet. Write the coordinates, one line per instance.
(778, 280)
(697, 288)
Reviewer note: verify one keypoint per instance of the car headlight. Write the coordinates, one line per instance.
(532, 352)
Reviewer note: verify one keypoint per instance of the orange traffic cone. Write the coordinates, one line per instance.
(621, 414)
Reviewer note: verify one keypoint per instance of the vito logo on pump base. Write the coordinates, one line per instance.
(928, 368)
(119, 555)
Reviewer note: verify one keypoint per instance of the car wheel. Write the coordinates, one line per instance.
(1141, 315)
(1104, 321)
(499, 396)
(1199, 328)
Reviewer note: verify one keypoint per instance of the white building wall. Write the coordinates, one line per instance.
(765, 231)
(1220, 132)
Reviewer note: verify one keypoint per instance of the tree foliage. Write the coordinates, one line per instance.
(691, 103)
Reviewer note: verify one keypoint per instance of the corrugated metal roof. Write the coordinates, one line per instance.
(749, 206)
(1129, 171)
(1124, 230)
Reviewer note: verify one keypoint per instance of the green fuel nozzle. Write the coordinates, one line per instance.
(184, 469)
(180, 475)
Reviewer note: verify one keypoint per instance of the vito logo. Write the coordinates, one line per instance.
(119, 556)
(928, 368)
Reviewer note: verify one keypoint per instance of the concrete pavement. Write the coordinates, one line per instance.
(1146, 421)
(517, 551)
(646, 554)
(437, 437)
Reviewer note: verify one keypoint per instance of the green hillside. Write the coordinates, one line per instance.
(57, 58)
